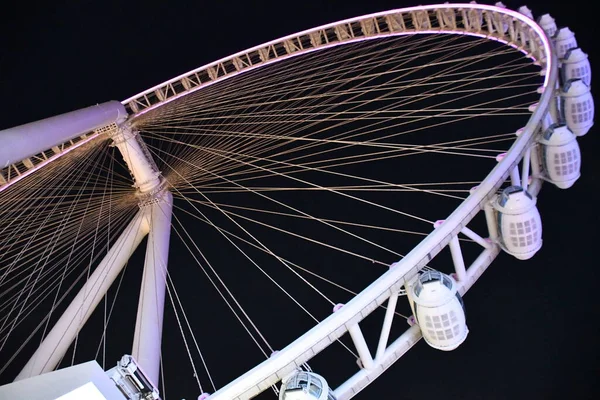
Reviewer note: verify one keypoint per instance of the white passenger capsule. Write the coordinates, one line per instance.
(302, 385)
(525, 11)
(564, 40)
(575, 65)
(577, 106)
(548, 25)
(561, 157)
(519, 222)
(439, 310)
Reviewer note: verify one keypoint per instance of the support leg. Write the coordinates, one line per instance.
(457, 258)
(515, 179)
(361, 346)
(56, 343)
(387, 325)
(148, 327)
(525, 169)
(490, 219)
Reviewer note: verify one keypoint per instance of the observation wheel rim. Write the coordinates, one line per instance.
(378, 291)
(167, 86)
(327, 331)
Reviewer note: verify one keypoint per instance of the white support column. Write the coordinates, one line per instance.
(58, 340)
(361, 346)
(554, 106)
(387, 325)
(535, 162)
(536, 171)
(30, 139)
(364, 377)
(515, 179)
(490, 218)
(144, 174)
(476, 238)
(525, 169)
(148, 326)
(457, 258)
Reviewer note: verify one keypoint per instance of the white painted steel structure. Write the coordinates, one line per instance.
(17, 143)
(494, 23)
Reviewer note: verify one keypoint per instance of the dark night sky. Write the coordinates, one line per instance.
(533, 325)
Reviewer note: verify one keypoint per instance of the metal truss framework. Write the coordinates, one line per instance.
(473, 19)
(494, 23)
(14, 172)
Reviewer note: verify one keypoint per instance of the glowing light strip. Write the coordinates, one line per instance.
(307, 345)
(478, 7)
(48, 161)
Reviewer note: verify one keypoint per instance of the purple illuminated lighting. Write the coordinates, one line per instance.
(479, 7)
(48, 161)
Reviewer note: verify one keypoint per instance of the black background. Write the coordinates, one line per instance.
(534, 330)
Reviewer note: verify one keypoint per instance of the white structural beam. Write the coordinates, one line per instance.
(457, 259)
(476, 238)
(139, 162)
(525, 169)
(365, 376)
(361, 346)
(327, 331)
(11, 174)
(148, 327)
(58, 340)
(387, 326)
(442, 18)
(515, 179)
(388, 23)
(386, 357)
(27, 140)
(492, 223)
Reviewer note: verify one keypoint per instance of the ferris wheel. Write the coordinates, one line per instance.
(281, 174)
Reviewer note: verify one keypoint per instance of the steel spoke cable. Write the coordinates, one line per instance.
(323, 222)
(42, 322)
(38, 268)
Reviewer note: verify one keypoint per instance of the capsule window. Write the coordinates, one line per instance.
(582, 111)
(453, 317)
(565, 47)
(534, 228)
(580, 73)
(445, 320)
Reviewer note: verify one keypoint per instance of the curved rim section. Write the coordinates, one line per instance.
(432, 19)
(476, 20)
